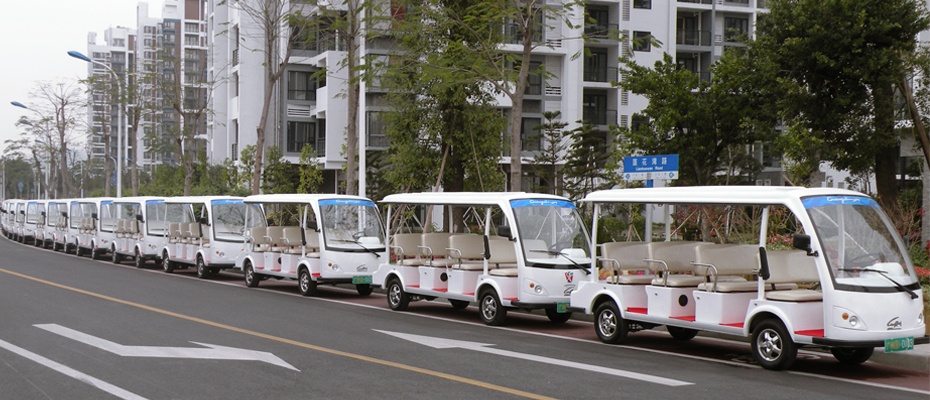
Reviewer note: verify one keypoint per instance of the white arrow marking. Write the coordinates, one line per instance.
(73, 373)
(213, 352)
(440, 343)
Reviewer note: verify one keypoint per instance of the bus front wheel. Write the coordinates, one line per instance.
(772, 346)
(852, 355)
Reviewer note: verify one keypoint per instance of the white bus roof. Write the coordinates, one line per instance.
(750, 195)
(465, 198)
(137, 199)
(198, 199)
(93, 199)
(297, 198)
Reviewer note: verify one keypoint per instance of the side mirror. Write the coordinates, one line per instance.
(139, 217)
(93, 215)
(505, 232)
(803, 242)
(64, 214)
(312, 225)
(43, 213)
(203, 220)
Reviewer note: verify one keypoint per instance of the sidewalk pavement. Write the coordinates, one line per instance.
(919, 358)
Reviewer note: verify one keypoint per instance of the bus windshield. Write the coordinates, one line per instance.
(229, 218)
(552, 233)
(351, 225)
(860, 243)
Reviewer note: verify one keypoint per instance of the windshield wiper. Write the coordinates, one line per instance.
(559, 253)
(884, 274)
(368, 249)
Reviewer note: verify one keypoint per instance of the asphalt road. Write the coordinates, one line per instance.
(76, 328)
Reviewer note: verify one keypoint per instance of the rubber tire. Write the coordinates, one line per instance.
(95, 253)
(115, 257)
(251, 278)
(364, 289)
(305, 283)
(772, 346)
(78, 251)
(458, 304)
(681, 333)
(202, 271)
(397, 298)
(557, 317)
(490, 309)
(852, 355)
(609, 326)
(167, 265)
(138, 260)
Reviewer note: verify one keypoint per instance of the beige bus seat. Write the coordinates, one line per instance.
(503, 258)
(466, 252)
(259, 239)
(432, 249)
(623, 260)
(792, 266)
(671, 261)
(405, 248)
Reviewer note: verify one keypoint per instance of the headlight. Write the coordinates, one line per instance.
(533, 287)
(843, 318)
(333, 266)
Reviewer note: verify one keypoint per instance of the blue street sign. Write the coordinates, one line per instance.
(650, 167)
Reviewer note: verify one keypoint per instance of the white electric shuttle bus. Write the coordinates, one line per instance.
(56, 223)
(315, 239)
(84, 226)
(784, 266)
(131, 239)
(206, 232)
(34, 222)
(529, 252)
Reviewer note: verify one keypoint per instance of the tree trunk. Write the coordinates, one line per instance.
(886, 158)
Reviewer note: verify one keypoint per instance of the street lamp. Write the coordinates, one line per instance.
(121, 126)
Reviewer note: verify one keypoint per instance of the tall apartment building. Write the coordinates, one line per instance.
(172, 47)
(308, 111)
(116, 52)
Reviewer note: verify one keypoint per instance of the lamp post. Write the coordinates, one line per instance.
(121, 126)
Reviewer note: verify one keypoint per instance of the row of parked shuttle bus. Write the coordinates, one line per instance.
(785, 267)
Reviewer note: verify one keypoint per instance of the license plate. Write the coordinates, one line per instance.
(561, 307)
(899, 344)
(360, 280)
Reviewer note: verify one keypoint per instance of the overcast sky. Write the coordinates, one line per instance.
(36, 37)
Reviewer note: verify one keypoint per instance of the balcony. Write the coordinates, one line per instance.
(601, 31)
(514, 35)
(599, 116)
(600, 74)
(692, 37)
(697, 1)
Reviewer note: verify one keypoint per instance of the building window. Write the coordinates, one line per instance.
(301, 86)
(300, 134)
(191, 27)
(645, 4)
(641, 41)
(735, 28)
(191, 40)
(530, 135)
(235, 84)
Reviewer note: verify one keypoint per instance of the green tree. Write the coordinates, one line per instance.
(443, 125)
(839, 61)
(708, 124)
(551, 156)
(278, 176)
(586, 167)
(311, 174)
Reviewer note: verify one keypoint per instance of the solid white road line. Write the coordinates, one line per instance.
(97, 383)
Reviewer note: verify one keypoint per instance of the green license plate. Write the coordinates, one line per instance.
(359, 280)
(899, 344)
(561, 307)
